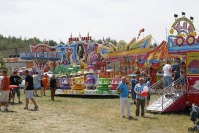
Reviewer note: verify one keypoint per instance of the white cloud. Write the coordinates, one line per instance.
(50, 19)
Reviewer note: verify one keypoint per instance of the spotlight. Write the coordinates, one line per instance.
(183, 13)
(192, 18)
(175, 15)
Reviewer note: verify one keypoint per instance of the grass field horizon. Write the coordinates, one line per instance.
(87, 115)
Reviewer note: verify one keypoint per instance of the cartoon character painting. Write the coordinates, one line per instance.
(88, 53)
(70, 56)
(80, 53)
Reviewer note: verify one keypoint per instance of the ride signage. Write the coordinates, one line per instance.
(76, 39)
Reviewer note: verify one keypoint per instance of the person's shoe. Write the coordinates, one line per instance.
(167, 95)
(12, 103)
(6, 109)
(172, 95)
(25, 108)
(130, 117)
(36, 95)
(20, 102)
(123, 117)
(36, 108)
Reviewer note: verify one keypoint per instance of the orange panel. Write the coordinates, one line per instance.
(29, 64)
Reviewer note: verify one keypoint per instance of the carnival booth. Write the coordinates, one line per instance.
(183, 43)
(42, 55)
(86, 55)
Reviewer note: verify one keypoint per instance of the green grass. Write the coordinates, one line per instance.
(92, 115)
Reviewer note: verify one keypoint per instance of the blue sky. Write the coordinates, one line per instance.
(118, 19)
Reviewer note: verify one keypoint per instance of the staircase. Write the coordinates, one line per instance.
(165, 102)
(157, 87)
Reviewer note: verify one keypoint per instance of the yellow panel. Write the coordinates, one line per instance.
(126, 53)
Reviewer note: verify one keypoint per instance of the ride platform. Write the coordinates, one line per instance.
(64, 92)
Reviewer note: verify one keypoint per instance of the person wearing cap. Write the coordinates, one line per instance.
(124, 101)
(140, 100)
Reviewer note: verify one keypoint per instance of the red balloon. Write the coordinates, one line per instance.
(14, 86)
(143, 93)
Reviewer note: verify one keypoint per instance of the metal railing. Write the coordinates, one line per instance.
(158, 85)
(170, 88)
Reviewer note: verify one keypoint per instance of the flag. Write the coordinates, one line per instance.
(141, 30)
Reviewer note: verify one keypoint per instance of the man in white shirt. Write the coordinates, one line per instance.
(167, 77)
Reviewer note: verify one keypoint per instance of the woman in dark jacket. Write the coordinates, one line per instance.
(53, 86)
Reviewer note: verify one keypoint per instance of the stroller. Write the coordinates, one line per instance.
(194, 115)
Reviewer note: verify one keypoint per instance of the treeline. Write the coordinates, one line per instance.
(11, 42)
(14, 42)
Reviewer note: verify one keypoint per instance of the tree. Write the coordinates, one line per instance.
(99, 41)
(2, 64)
(61, 42)
(52, 43)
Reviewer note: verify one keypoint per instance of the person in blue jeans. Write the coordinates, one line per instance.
(133, 94)
(167, 74)
(124, 101)
(176, 71)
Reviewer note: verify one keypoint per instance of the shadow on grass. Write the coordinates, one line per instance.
(135, 119)
(150, 117)
(11, 103)
(186, 112)
(32, 110)
(10, 111)
(90, 96)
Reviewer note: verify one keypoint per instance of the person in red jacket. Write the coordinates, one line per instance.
(5, 90)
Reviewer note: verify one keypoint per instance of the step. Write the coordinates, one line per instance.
(157, 105)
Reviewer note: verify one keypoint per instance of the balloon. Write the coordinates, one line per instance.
(13, 86)
(143, 93)
(146, 88)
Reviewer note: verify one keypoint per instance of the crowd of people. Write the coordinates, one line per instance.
(137, 87)
(174, 73)
(171, 73)
(10, 86)
(34, 82)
